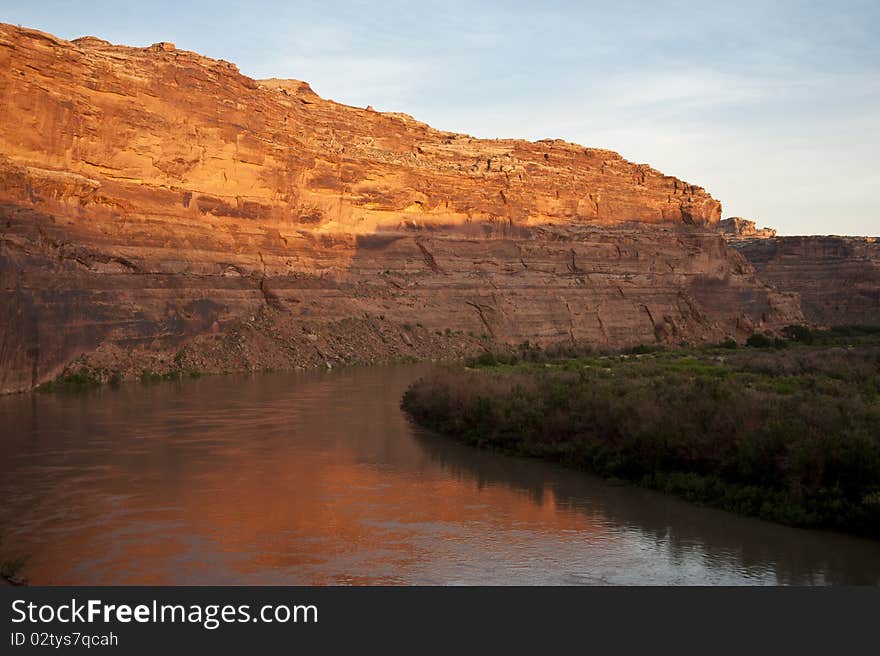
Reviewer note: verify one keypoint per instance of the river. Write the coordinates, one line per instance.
(319, 478)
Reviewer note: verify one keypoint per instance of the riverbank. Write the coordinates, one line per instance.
(267, 343)
(785, 429)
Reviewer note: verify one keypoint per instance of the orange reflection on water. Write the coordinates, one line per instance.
(320, 479)
(300, 517)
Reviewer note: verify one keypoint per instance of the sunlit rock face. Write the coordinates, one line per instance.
(737, 227)
(161, 211)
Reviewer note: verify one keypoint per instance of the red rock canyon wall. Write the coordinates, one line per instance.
(160, 211)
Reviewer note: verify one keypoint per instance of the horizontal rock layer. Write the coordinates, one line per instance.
(837, 278)
(160, 211)
(297, 298)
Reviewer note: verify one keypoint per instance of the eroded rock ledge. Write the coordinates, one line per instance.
(736, 227)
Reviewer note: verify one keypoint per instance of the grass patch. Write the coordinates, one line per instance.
(81, 380)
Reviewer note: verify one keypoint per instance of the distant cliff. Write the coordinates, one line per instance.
(160, 212)
(837, 278)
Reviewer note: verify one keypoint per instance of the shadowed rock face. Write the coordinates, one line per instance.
(159, 210)
(837, 278)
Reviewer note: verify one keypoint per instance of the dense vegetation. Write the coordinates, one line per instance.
(786, 429)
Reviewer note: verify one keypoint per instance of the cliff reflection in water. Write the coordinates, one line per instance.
(319, 478)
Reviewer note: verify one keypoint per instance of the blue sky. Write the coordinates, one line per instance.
(774, 107)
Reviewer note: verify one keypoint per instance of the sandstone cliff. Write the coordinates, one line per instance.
(167, 132)
(161, 211)
(837, 278)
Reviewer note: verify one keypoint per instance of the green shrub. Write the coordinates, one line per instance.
(788, 435)
(797, 333)
(759, 340)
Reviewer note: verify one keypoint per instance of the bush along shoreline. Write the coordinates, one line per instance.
(786, 429)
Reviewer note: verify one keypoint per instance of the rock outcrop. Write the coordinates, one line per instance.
(737, 227)
(160, 211)
(837, 278)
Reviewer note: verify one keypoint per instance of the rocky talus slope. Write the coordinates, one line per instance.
(160, 211)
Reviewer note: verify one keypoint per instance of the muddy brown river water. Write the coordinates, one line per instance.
(319, 478)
